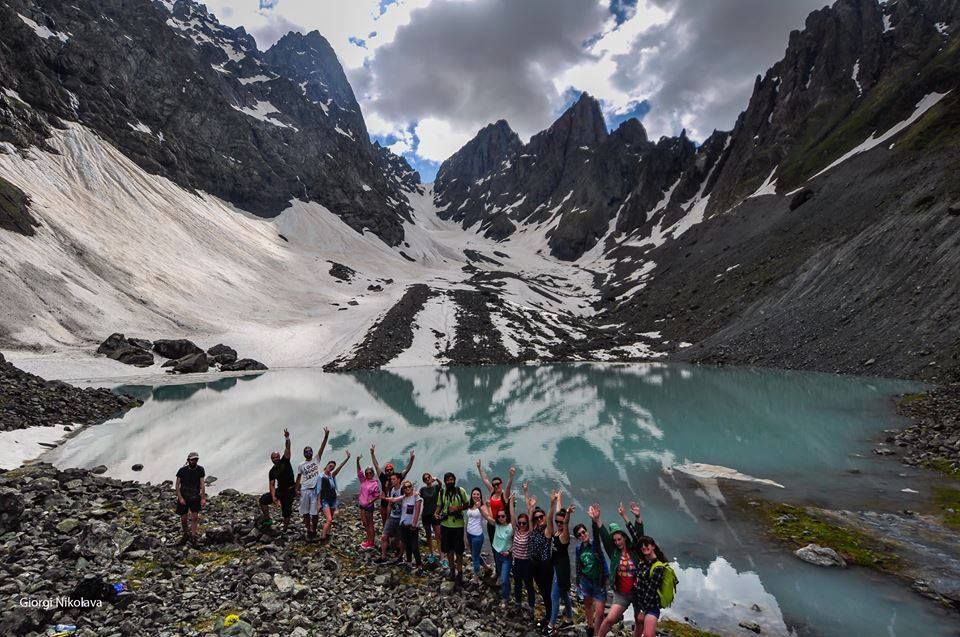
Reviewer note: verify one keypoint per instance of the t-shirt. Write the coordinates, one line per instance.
(408, 507)
(474, 521)
(369, 489)
(590, 564)
(626, 574)
(429, 495)
(282, 472)
(395, 507)
(190, 481)
(327, 487)
(503, 538)
(309, 472)
(445, 501)
(521, 546)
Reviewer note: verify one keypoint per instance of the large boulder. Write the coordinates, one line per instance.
(11, 509)
(243, 365)
(222, 354)
(177, 348)
(195, 363)
(820, 556)
(121, 349)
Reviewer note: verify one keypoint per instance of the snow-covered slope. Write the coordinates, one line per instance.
(118, 249)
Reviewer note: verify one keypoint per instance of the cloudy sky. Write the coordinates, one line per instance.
(430, 73)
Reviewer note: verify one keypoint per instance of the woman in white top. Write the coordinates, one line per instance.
(474, 521)
(411, 507)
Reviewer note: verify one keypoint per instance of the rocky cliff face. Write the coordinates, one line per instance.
(573, 182)
(195, 101)
(857, 68)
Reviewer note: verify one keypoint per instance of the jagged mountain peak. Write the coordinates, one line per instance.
(582, 124)
(493, 145)
(631, 132)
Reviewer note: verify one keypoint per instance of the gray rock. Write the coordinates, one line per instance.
(426, 628)
(820, 556)
(222, 354)
(177, 348)
(284, 583)
(243, 365)
(68, 524)
(751, 626)
(196, 363)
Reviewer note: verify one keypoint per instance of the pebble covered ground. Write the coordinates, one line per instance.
(67, 533)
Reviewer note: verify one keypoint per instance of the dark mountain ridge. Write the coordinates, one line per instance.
(195, 101)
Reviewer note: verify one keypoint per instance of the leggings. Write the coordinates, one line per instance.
(543, 577)
(523, 576)
(411, 542)
(476, 546)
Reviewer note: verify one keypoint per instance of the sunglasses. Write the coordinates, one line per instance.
(537, 518)
(522, 523)
(559, 520)
(501, 516)
(497, 484)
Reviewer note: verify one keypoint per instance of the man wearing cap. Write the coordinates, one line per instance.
(191, 495)
(281, 483)
(308, 473)
(384, 475)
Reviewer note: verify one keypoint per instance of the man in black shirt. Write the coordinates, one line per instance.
(191, 495)
(281, 483)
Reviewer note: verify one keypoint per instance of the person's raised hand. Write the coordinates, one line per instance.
(286, 434)
(513, 471)
(622, 511)
(635, 509)
(593, 511)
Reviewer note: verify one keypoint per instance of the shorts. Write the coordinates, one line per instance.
(367, 507)
(308, 502)
(286, 502)
(451, 540)
(329, 504)
(430, 523)
(620, 599)
(391, 528)
(597, 592)
(192, 505)
(655, 612)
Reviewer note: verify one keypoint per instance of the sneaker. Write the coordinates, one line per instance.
(367, 545)
(444, 564)
(381, 560)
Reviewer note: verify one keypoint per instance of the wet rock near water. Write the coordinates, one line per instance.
(127, 351)
(73, 533)
(27, 400)
(820, 556)
(184, 356)
(933, 440)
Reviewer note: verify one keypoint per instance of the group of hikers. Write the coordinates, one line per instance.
(530, 546)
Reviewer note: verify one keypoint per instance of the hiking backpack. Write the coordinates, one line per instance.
(668, 586)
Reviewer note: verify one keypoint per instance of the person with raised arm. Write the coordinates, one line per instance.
(391, 528)
(541, 547)
(327, 494)
(281, 486)
(388, 470)
(308, 473)
(367, 502)
(592, 571)
(498, 493)
(626, 560)
(474, 528)
(560, 557)
(520, 566)
(501, 545)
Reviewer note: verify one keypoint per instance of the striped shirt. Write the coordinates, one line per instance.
(521, 545)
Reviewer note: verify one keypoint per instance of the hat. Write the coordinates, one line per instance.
(388, 466)
(615, 528)
(193, 455)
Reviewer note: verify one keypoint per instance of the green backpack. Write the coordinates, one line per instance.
(668, 586)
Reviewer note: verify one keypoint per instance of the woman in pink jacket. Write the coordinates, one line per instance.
(369, 494)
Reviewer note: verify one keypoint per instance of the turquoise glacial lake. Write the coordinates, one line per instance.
(600, 433)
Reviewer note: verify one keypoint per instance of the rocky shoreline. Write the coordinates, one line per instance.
(27, 400)
(933, 440)
(67, 533)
